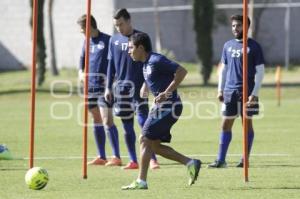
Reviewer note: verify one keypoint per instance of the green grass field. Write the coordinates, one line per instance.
(274, 171)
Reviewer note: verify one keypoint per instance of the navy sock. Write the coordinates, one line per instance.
(113, 136)
(141, 118)
(130, 139)
(100, 137)
(250, 142)
(225, 138)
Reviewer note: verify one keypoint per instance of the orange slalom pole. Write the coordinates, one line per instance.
(33, 82)
(245, 89)
(86, 72)
(278, 84)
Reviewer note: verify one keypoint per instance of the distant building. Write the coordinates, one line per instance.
(177, 34)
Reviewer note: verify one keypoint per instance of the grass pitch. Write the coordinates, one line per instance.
(274, 165)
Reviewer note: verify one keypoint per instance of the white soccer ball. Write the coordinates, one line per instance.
(36, 178)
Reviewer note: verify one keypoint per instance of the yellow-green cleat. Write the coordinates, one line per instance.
(5, 153)
(193, 171)
(135, 186)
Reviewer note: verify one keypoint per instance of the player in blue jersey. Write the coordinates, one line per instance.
(162, 77)
(124, 91)
(100, 109)
(5, 153)
(231, 83)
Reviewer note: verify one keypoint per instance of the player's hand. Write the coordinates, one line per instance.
(108, 95)
(81, 76)
(161, 97)
(220, 96)
(252, 100)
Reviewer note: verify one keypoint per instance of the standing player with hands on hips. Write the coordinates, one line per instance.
(230, 88)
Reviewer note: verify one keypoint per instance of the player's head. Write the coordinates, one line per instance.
(82, 21)
(122, 21)
(237, 26)
(139, 46)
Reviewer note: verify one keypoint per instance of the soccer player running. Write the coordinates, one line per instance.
(100, 109)
(231, 83)
(162, 77)
(128, 76)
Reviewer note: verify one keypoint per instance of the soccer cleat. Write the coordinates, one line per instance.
(114, 162)
(97, 161)
(193, 171)
(154, 164)
(217, 164)
(5, 153)
(241, 164)
(131, 165)
(135, 186)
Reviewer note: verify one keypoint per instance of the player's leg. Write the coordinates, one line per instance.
(230, 110)
(250, 141)
(142, 111)
(112, 133)
(99, 133)
(130, 139)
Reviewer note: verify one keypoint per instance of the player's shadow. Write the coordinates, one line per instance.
(267, 188)
(275, 165)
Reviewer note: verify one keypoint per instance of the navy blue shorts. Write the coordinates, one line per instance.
(232, 106)
(160, 121)
(127, 102)
(96, 98)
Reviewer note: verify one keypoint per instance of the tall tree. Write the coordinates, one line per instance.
(203, 11)
(54, 69)
(41, 46)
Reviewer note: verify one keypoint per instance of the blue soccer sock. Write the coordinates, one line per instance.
(113, 136)
(100, 137)
(250, 142)
(141, 118)
(130, 139)
(225, 138)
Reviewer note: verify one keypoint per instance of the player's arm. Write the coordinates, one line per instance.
(259, 75)
(81, 65)
(144, 92)
(178, 77)
(222, 80)
(110, 73)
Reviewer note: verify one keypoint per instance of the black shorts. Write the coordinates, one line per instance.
(160, 121)
(96, 98)
(233, 105)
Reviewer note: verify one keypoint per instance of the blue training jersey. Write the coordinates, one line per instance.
(98, 60)
(232, 56)
(159, 73)
(121, 67)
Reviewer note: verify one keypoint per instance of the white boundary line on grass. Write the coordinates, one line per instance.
(191, 155)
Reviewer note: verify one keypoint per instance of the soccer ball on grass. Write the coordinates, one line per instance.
(36, 178)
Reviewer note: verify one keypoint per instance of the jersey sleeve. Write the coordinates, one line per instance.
(224, 56)
(258, 56)
(111, 65)
(82, 57)
(167, 66)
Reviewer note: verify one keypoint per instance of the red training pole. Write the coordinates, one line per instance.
(86, 72)
(245, 88)
(33, 86)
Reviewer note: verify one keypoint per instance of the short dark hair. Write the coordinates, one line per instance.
(82, 21)
(143, 39)
(122, 13)
(239, 18)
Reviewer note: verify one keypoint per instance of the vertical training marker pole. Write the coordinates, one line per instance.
(86, 72)
(245, 88)
(33, 83)
(278, 84)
